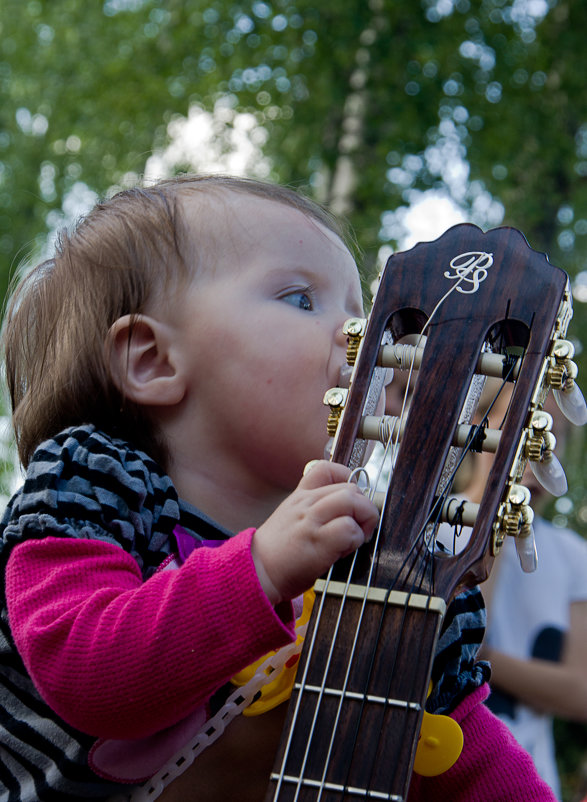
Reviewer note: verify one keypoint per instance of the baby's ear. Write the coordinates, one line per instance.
(142, 363)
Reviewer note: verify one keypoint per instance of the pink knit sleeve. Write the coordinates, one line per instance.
(493, 767)
(118, 657)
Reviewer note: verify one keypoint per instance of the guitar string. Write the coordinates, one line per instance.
(432, 562)
(374, 563)
(353, 647)
(343, 600)
(416, 585)
(311, 646)
(322, 687)
(333, 643)
(402, 413)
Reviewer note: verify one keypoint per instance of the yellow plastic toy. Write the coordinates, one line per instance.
(439, 745)
(279, 689)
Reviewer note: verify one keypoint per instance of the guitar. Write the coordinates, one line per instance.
(452, 311)
(471, 304)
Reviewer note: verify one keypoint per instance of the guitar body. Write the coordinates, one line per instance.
(356, 709)
(235, 767)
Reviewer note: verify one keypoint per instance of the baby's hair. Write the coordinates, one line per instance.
(115, 261)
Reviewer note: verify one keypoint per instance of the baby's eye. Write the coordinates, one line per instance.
(300, 298)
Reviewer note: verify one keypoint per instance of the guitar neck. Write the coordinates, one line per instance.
(375, 697)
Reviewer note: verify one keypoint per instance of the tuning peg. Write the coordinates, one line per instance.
(354, 329)
(539, 449)
(572, 404)
(526, 551)
(550, 474)
(335, 398)
(515, 518)
(561, 377)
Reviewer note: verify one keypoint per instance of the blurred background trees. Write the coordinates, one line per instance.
(375, 107)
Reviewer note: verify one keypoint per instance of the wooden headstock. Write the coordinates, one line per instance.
(473, 295)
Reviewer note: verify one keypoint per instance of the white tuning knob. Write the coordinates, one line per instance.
(526, 551)
(550, 474)
(572, 404)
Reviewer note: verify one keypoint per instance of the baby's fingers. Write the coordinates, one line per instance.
(322, 473)
(325, 475)
(347, 501)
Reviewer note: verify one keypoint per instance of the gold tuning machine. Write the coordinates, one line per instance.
(540, 442)
(354, 329)
(539, 448)
(514, 517)
(335, 398)
(562, 371)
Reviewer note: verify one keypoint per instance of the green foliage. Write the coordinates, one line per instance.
(398, 91)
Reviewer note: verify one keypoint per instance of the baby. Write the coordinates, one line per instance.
(166, 371)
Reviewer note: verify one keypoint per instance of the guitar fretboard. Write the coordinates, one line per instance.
(347, 727)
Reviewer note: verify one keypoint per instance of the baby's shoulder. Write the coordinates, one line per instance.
(85, 483)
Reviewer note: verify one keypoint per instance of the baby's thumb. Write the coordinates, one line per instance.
(321, 473)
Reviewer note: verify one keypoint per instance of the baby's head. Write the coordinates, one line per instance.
(129, 255)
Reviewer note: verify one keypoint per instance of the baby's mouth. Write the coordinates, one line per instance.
(346, 372)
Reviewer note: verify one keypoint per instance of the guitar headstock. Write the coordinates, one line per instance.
(468, 305)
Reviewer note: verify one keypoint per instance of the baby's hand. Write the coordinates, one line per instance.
(325, 518)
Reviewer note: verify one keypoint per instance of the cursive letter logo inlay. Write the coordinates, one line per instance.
(470, 269)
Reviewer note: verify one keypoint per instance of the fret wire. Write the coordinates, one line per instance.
(353, 790)
(359, 696)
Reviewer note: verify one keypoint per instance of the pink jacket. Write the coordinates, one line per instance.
(86, 625)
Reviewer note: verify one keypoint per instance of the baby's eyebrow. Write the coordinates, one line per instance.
(300, 271)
